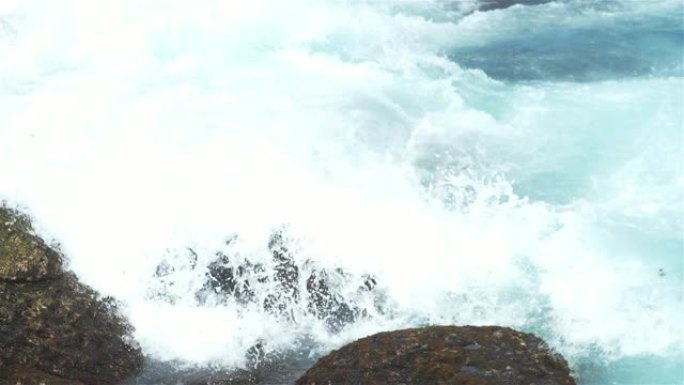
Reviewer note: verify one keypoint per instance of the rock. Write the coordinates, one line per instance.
(442, 355)
(286, 287)
(23, 255)
(13, 375)
(225, 281)
(285, 278)
(176, 373)
(326, 301)
(490, 5)
(52, 324)
(279, 369)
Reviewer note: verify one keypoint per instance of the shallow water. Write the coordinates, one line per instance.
(517, 165)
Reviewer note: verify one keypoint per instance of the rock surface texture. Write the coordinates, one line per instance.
(442, 355)
(53, 329)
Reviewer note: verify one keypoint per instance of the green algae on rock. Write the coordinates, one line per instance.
(53, 329)
(442, 355)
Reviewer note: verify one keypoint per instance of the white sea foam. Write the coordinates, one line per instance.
(133, 131)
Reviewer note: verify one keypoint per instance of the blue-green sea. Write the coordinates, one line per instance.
(517, 163)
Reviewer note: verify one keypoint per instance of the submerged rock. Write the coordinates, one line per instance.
(325, 300)
(490, 5)
(287, 287)
(441, 355)
(52, 324)
(280, 369)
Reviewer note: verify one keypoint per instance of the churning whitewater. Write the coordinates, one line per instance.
(354, 166)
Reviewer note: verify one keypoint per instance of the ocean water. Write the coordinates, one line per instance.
(486, 164)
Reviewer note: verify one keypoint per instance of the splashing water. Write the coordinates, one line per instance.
(263, 173)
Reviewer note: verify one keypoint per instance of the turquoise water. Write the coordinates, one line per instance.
(488, 162)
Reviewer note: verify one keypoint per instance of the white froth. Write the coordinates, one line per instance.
(131, 131)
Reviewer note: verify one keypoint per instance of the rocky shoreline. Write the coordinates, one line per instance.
(56, 331)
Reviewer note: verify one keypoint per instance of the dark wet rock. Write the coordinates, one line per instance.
(490, 5)
(276, 369)
(441, 355)
(163, 373)
(15, 374)
(61, 327)
(228, 278)
(324, 289)
(50, 323)
(286, 286)
(225, 280)
(285, 278)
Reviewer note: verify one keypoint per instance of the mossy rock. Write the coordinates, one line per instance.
(442, 355)
(61, 327)
(23, 255)
(53, 329)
